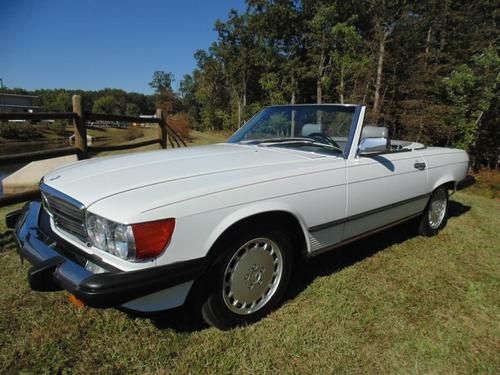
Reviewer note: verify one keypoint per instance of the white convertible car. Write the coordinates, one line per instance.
(220, 227)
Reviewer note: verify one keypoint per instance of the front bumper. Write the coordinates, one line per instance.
(57, 265)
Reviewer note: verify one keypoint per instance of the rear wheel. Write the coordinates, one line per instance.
(435, 215)
(250, 279)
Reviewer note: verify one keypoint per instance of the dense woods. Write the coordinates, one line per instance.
(427, 70)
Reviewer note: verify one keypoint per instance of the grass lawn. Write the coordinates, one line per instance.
(392, 303)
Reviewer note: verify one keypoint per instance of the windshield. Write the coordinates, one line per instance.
(318, 128)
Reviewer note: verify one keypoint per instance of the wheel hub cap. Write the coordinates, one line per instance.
(437, 209)
(252, 276)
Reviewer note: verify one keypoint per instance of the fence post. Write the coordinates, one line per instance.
(162, 128)
(80, 127)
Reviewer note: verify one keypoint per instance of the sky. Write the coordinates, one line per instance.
(92, 44)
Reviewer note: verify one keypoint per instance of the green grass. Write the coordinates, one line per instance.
(393, 303)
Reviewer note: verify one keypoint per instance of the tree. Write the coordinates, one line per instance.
(279, 32)
(348, 60)
(235, 49)
(409, 62)
(60, 101)
(320, 43)
(472, 91)
(165, 96)
(106, 104)
(162, 81)
(132, 109)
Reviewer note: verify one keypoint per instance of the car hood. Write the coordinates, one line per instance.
(95, 179)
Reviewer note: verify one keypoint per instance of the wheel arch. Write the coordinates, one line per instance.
(252, 217)
(447, 181)
(234, 222)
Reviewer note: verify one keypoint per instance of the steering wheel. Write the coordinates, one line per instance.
(324, 139)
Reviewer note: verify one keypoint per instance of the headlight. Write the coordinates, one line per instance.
(130, 242)
(114, 238)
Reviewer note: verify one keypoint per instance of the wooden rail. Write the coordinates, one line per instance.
(122, 147)
(106, 117)
(36, 116)
(80, 118)
(27, 157)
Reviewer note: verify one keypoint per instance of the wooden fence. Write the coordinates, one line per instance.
(166, 135)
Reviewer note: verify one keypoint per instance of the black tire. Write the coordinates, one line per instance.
(237, 253)
(430, 222)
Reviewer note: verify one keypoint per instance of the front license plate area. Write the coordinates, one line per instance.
(75, 301)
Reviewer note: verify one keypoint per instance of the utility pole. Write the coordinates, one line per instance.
(1, 97)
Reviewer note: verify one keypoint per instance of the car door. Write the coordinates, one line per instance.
(383, 189)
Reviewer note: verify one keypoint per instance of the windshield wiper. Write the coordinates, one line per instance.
(293, 140)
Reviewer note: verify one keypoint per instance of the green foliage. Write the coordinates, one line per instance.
(412, 56)
(471, 91)
(162, 81)
(59, 100)
(349, 60)
(132, 109)
(270, 84)
(165, 97)
(58, 128)
(106, 104)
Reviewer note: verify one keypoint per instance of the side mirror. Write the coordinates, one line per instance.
(374, 139)
(372, 145)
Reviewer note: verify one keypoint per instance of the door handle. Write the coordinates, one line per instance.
(420, 165)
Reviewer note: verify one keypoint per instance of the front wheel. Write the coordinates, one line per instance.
(436, 213)
(251, 279)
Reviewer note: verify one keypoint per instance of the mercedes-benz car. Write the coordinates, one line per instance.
(221, 228)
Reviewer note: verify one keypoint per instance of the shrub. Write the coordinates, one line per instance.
(180, 124)
(58, 127)
(19, 131)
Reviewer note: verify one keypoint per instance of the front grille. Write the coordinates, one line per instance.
(68, 214)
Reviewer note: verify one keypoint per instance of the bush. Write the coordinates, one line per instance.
(180, 124)
(58, 127)
(19, 131)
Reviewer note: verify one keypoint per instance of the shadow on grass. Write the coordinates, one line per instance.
(181, 319)
(348, 255)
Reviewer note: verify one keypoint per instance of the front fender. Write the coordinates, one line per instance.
(251, 210)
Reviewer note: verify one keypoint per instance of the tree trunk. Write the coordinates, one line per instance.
(427, 45)
(378, 82)
(365, 94)
(318, 91)
(244, 90)
(341, 91)
(239, 113)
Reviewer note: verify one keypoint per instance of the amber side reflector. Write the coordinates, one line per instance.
(76, 301)
(151, 238)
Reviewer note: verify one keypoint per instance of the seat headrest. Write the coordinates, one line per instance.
(308, 129)
(370, 131)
